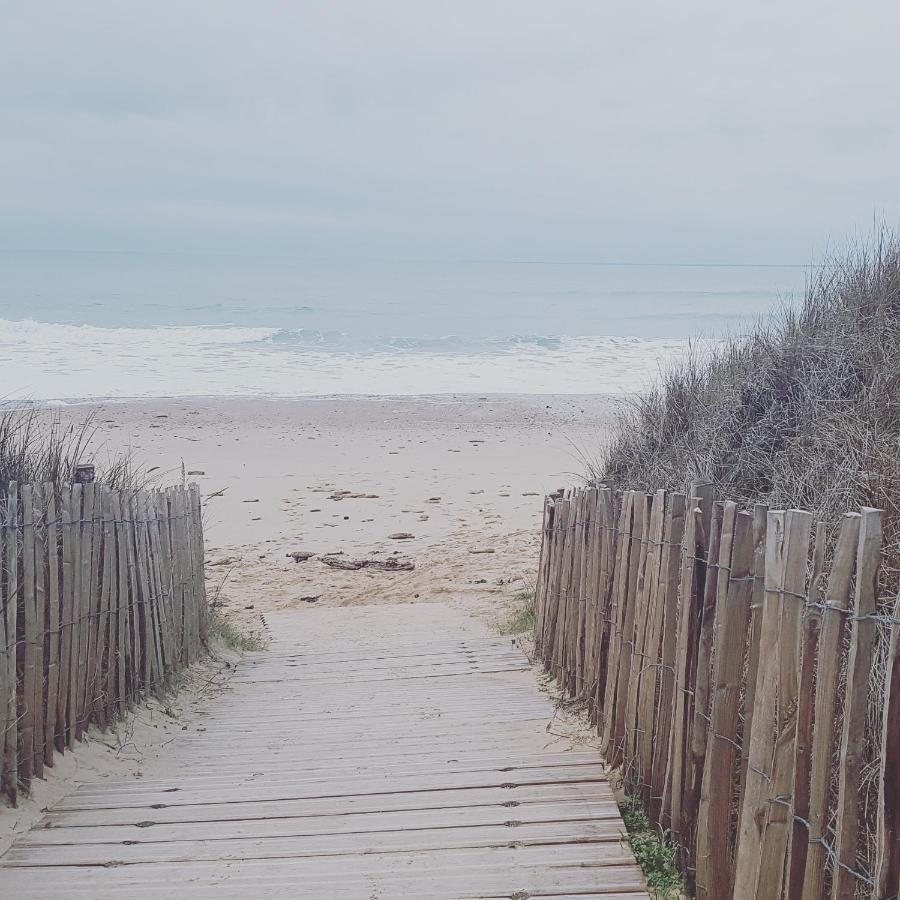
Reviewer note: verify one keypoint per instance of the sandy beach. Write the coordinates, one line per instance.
(462, 478)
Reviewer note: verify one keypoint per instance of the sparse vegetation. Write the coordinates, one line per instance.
(521, 619)
(224, 631)
(653, 850)
(36, 448)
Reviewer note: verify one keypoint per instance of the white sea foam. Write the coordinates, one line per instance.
(44, 361)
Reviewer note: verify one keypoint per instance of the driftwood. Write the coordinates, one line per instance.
(299, 556)
(391, 564)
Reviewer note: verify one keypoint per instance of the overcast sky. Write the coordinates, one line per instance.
(527, 129)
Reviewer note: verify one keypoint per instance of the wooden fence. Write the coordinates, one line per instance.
(102, 599)
(744, 677)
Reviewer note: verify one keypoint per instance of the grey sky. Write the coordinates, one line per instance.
(652, 131)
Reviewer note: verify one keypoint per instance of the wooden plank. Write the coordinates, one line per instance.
(161, 582)
(198, 563)
(9, 762)
(54, 611)
(184, 553)
(691, 594)
(104, 704)
(138, 659)
(154, 593)
(38, 702)
(629, 583)
(766, 815)
(67, 616)
(714, 862)
(540, 585)
(551, 613)
(859, 665)
(669, 576)
(779, 820)
(618, 588)
(583, 591)
(13, 587)
(760, 517)
(30, 638)
(563, 564)
(762, 737)
(887, 860)
(640, 600)
(94, 599)
(573, 596)
(607, 530)
(809, 640)
(84, 594)
(717, 554)
(651, 654)
(7, 647)
(121, 605)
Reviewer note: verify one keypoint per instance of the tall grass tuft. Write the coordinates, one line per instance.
(35, 447)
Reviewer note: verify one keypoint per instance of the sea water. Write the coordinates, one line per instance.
(76, 326)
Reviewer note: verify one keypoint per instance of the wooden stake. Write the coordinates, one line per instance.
(714, 863)
(859, 665)
(30, 635)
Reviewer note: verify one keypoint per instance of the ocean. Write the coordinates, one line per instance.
(81, 326)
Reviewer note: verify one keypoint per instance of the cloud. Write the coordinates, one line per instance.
(569, 130)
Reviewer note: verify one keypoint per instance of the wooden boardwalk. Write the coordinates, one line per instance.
(372, 752)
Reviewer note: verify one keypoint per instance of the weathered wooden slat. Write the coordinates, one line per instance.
(766, 816)
(859, 665)
(809, 640)
(887, 861)
(713, 858)
(84, 601)
(28, 603)
(54, 620)
(39, 703)
(9, 737)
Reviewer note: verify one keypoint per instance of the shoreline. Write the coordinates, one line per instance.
(440, 397)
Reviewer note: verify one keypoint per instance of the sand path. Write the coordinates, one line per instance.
(371, 752)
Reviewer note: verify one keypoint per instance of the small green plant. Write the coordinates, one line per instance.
(653, 850)
(223, 630)
(521, 619)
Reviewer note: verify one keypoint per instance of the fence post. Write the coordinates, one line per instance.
(648, 661)
(29, 642)
(713, 859)
(54, 603)
(809, 640)
(715, 587)
(9, 738)
(764, 818)
(669, 573)
(636, 555)
(887, 862)
(607, 529)
(859, 665)
(690, 593)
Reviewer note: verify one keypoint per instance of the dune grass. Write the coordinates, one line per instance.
(37, 447)
(521, 619)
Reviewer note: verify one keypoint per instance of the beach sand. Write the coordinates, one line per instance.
(465, 476)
